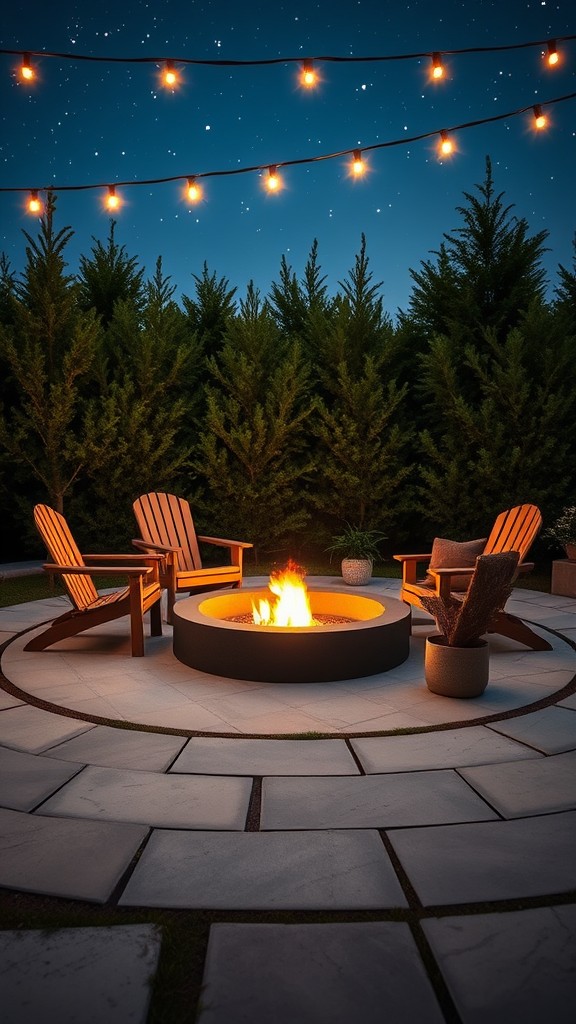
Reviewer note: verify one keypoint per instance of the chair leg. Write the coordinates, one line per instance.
(509, 625)
(156, 617)
(61, 628)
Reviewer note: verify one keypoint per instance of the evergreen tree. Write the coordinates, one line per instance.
(362, 465)
(487, 272)
(210, 313)
(108, 276)
(48, 350)
(252, 461)
(150, 397)
(565, 294)
(510, 441)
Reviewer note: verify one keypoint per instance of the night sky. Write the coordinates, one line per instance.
(86, 123)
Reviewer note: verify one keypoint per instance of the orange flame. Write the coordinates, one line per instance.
(291, 606)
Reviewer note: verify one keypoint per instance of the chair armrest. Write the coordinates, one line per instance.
(121, 559)
(146, 545)
(221, 542)
(413, 558)
(102, 570)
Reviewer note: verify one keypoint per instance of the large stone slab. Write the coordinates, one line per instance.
(121, 748)
(338, 870)
(32, 729)
(390, 801)
(527, 787)
(517, 966)
(206, 754)
(169, 801)
(78, 975)
(27, 779)
(490, 860)
(80, 860)
(551, 730)
(315, 974)
(448, 748)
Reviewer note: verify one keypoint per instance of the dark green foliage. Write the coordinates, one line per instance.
(211, 311)
(252, 460)
(109, 276)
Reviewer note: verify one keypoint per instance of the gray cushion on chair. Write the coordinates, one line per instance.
(453, 554)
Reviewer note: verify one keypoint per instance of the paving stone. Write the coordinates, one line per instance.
(449, 748)
(385, 801)
(169, 801)
(568, 702)
(121, 748)
(79, 860)
(28, 779)
(265, 757)
(516, 966)
(32, 729)
(315, 974)
(490, 860)
(551, 730)
(337, 870)
(527, 787)
(8, 701)
(78, 975)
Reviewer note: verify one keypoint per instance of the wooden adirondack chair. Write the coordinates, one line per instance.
(514, 530)
(143, 592)
(166, 526)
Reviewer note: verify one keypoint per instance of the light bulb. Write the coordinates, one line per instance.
(193, 191)
(273, 182)
(34, 203)
(552, 56)
(112, 200)
(437, 66)
(358, 165)
(446, 146)
(170, 76)
(27, 73)
(308, 76)
(540, 119)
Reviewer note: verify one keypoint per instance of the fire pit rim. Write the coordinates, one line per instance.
(246, 596)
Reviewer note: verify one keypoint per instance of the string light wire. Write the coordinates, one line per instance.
(276, 164)
(430, 54)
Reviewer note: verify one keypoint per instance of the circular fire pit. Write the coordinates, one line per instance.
(376, 640)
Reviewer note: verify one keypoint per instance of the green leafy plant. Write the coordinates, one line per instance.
(355, 542)
(563, 530)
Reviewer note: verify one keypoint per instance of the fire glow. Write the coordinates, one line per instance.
(289, 604)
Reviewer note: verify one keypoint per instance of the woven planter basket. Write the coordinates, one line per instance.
(356, 572)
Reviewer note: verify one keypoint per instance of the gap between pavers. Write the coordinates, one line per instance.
(512, 966)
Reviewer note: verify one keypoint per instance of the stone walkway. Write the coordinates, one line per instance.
(461, 840)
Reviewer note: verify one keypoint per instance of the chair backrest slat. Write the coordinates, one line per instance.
(515, 530)
(167, 519)
(63, 550)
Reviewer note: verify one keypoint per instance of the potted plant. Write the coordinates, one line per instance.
(563, 532)
(456, 661)
(358, 549)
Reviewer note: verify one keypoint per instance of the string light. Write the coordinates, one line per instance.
(445, 146)
(193, 191)
(553, 57)
(358, 165)
(273, 182)
(170, 75)
(540, 119)
(437, 66)
(34, 203)
(27, 73)
(308, 76)
(112, 200)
